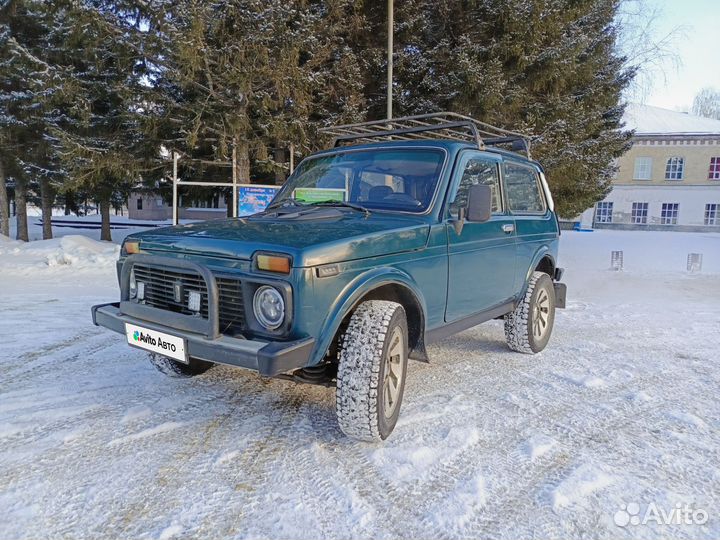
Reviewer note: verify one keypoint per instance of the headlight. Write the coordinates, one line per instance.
(269, 307)
(133, 284)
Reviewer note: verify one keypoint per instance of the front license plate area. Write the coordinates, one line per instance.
(157, 342)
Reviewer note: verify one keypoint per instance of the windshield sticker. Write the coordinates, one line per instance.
(315, 195)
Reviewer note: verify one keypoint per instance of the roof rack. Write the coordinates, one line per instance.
(442, 125)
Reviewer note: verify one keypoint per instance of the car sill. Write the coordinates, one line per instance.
(436, 334)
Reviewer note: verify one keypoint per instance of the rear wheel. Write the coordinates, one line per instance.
(528, 327)
(173, 368)
(372, 357)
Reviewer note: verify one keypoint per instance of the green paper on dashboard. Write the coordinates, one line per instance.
(314, 195)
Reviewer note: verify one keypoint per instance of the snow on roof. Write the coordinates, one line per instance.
(648, 119)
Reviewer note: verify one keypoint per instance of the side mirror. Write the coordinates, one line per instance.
(479, 203)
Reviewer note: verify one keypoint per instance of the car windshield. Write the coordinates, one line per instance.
(391, 179)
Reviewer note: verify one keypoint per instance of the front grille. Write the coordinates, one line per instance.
(232, 307)
(160, 293)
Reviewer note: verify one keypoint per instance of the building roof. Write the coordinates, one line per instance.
(645, 120)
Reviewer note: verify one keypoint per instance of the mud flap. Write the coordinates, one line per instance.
(560, 295)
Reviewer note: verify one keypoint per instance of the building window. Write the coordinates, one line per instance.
(139, 203)
(669, 214)
(603, 212)
(643, 168)
(674, 168)
(639, 213)
(714, 173)
(711, 214)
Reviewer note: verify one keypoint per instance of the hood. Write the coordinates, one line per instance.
(336, 236)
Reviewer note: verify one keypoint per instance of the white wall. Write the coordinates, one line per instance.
(691, 200)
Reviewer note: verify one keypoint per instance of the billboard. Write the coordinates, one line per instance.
(254, 198)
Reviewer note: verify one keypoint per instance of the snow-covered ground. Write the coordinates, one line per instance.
(66, 225)
(623, 408)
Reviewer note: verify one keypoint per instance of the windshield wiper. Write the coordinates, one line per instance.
(343, 204)
(284, 202)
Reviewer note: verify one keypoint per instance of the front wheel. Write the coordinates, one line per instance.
(173, 368)
(372, 356)
(528, 327)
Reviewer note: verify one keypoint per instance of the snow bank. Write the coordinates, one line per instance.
(76, 251)
(5, 241)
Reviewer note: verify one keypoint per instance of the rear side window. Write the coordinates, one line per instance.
(523, 189)
(478, 171)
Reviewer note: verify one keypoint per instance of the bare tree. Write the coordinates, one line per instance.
(707, 103)
(649, 51)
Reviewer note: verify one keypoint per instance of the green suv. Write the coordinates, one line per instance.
(403, 233)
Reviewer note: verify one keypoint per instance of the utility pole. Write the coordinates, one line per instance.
(390, 61)
(234, 179)
(176, 156)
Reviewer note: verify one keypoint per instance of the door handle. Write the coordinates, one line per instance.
(508, 228)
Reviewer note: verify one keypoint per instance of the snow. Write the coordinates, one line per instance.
(621, 408)
(77, 251)
(538, 445)
(579, 485)
(645, 119)
(170, 532)
(463, 503)
(121, 226)
(156, 430)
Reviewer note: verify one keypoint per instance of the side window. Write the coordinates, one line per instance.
(478, 171)
(523, 189)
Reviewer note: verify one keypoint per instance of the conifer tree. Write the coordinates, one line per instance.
(24, 153)
(94, 91)
(94, 82)
(545, 67)
(255, 74)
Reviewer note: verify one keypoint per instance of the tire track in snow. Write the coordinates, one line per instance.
(47, 359)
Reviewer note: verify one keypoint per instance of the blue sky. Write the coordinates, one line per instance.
(698, 48)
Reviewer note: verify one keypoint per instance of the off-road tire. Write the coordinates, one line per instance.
(363, 356)
(173, 368)
(519, 323)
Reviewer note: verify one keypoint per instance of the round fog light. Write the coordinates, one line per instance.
(269, 307)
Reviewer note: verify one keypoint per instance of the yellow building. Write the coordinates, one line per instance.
(669, 179)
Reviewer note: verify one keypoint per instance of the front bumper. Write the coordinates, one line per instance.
(267, 358)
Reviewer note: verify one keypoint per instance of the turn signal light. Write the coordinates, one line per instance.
(132, 247)
(274, 263)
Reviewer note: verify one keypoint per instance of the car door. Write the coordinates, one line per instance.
(535, 225)
(481, 266)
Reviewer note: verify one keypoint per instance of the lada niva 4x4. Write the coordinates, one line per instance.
(403, 233)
